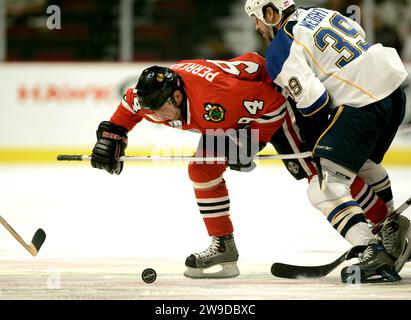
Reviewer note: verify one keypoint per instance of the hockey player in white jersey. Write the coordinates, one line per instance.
(322, 59)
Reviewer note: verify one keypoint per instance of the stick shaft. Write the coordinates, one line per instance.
(16, 236)
(186, 158)
(394, 214)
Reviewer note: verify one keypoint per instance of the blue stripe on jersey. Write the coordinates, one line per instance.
(279, 50)
(317, 105)
(340, 208)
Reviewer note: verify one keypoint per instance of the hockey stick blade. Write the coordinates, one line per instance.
(289, 271)
(37, 241)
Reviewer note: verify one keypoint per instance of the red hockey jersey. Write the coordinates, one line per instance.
(229, 94)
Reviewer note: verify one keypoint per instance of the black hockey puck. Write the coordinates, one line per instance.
(149, 275)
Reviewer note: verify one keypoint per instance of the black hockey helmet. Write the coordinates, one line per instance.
(155, 85)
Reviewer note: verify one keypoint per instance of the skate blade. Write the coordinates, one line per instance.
(222, 270)
(380, 275)
(384, 277)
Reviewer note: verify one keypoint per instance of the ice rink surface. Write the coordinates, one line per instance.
(103, 231)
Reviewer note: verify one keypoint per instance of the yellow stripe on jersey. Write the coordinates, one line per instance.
(337, 115)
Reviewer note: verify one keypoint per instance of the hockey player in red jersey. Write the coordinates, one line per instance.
(229, 99)
(218, 99)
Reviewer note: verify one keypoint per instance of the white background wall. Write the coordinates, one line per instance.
(61, 105)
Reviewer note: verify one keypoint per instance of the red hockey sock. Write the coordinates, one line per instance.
(212, 197)
(214, 205)
(374, 208)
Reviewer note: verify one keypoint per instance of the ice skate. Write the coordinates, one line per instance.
(221, 255)
(396, 238)
(375, 266)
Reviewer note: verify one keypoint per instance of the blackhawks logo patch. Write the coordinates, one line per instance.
(214, 112)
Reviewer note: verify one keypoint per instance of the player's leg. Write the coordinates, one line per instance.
(214, 205)
(291, 138)
(373, 206)
(338, 205)
(343, 149)
(348, 219)
(396, 235)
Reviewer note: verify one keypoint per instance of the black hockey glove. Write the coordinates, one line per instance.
(110, 146)
(242, 145)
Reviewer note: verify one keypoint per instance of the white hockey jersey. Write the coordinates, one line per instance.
(318, 54)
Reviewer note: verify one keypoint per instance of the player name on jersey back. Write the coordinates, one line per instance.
(197, 69)
(314, 18)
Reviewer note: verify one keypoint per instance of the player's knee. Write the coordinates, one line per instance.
(324, 201)
(337, 173)
(202, 172)
(372, 172)
(377, 178)
(195, 171)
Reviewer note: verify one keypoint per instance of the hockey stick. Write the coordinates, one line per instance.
(392, 216)
(36, 243)
(289, 271)
(67, 157)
